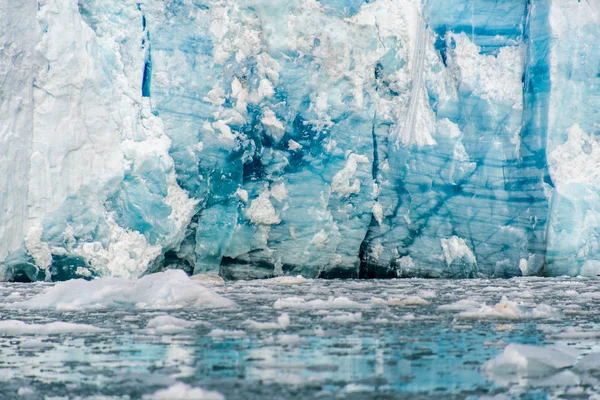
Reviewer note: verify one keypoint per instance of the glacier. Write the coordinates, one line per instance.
(322, 138)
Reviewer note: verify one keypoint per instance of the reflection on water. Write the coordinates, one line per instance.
(381, 340)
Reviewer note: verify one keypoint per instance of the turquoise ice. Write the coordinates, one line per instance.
(332, 138)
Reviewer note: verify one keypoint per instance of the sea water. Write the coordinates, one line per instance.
(310, 339)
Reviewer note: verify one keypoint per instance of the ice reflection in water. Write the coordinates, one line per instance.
(345, 339)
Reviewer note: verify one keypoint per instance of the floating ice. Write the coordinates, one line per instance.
(181, 391)
(318, 304)
(407, 301)
(345, 318)
(282, 322)
(509, 310)
(169, 324)
(165, 290)
(460, 305)
(282, 280)
(226, 333)
(531, 361)
(18, 328)
(208, 279)
(589, 363)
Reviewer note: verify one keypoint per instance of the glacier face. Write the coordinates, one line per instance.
(331, 138)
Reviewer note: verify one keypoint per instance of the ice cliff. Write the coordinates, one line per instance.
(329, 138)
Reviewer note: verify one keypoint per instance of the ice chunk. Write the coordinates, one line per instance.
(282, 280)
(208, 279)
(460, 305)
(408, 301)
(18, 328)
(261, 211)
(456, 248)
(531, 361)
(318, 304)
(510, 310)
(282, 323)
(589, 363)
(344, 182)
(577, 334)
(165, 290)
(169, 324)
(345, 318)
(181, 391)
(226, 333)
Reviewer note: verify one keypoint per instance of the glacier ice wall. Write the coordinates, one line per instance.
(330, 138)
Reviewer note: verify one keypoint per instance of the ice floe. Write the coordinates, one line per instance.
(165, 290)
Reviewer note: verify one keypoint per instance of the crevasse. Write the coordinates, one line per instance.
(332, 138)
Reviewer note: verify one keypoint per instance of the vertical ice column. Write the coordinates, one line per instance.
(460, 204)
(573, 149)
(18, 35)
(189, 85)
(531, 174)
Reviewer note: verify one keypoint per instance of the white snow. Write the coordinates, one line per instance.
(164, 290)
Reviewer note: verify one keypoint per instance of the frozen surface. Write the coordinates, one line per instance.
(322, 138)
(339, 339)
(163, 290)
(181, 391)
